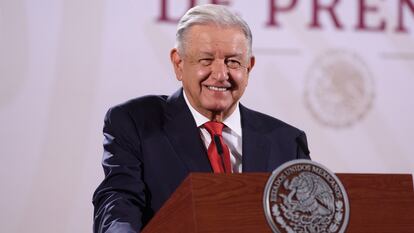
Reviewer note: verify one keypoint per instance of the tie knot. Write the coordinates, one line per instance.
(214, 127)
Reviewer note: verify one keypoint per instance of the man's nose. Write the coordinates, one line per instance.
(220, 71)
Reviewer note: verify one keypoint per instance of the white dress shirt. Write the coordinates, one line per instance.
(232, 134)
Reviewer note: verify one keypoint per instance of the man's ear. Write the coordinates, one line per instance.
(177, 62)
(251, 64)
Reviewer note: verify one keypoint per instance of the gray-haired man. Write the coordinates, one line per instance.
(153, 142)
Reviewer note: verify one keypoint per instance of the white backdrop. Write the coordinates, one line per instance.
(346, 81)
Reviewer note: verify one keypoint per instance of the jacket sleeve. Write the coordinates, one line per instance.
(120, 200)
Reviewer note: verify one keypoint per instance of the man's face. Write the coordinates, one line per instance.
(214, 68)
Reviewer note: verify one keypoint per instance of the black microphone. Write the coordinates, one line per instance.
(218, 144)
(219, 148)
(302, 145)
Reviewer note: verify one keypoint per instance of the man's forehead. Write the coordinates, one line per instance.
(214, 32)
(215, 26)
(211, 37)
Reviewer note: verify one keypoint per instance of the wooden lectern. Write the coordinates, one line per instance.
(216, 203)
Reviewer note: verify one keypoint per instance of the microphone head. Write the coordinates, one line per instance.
(302, 144)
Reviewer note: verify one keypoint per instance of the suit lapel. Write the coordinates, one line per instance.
(256, 147)
(184, 135)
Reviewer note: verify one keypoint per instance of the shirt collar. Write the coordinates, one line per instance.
(233, 121)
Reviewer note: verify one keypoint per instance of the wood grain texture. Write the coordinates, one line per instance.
(230, 203)
(216, 203)
(380, 203)
(177, 214)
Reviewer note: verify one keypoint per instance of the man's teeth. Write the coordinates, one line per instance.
(217, 88)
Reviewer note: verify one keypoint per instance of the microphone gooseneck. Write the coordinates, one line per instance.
(219, 149)
(218, 144)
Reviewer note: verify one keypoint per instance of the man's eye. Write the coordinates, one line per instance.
(232, 63)
(206, 61)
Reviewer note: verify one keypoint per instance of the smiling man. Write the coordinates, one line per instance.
(153, 142)
(213, 63)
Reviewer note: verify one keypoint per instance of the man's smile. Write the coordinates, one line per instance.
(215, 88)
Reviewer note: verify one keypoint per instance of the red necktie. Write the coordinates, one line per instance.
(218, 152)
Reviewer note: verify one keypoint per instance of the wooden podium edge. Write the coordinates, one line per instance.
(174, 212)
(378, 202)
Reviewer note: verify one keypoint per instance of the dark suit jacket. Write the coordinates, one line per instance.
(152, 144)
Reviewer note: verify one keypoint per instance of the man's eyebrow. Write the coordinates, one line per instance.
(235, 55)
(206, 54)
(227, 55)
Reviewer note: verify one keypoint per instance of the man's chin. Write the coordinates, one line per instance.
(219, 109)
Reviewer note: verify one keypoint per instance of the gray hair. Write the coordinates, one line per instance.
(211, 14)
